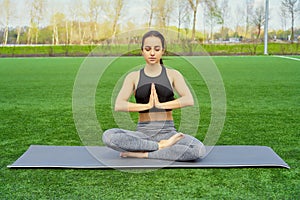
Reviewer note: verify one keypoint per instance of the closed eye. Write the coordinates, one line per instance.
(147, 48)
(156, 48)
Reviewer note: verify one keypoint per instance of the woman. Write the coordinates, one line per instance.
(156, 136)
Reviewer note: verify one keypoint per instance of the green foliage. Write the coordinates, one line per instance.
(262, 109)
(184, 48)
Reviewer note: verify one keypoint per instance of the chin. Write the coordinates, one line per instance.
(152, 62)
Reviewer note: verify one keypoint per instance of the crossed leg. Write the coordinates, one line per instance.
(161, 145)
(172, 146)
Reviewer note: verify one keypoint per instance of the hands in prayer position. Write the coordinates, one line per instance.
(153, 100)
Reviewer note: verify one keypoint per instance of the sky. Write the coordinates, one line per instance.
(135, 10)
(136, 6)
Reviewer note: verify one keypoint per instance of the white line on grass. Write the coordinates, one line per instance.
(286, 57)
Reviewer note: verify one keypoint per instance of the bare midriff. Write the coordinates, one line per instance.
(155, 116)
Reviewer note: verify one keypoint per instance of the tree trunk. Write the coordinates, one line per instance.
(5, 36)
(118, 9)
(71, 33)
(53, 35)
(95, 35)
(79, 30)
(67, 33)
(29, 36)
(194, 25)
(56, 36)
(150, 18)
(293, 21)
(36, 36)
(194, 8)
(258, 31)
(178, 29)
(18, 35)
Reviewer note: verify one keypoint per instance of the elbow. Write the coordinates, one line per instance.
(121, 106)
(190, 101)
(186, 101)
(117, 108)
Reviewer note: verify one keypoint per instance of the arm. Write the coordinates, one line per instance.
(122, 103)
(179, 84)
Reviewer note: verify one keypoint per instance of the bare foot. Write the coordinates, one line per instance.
(134, 154)
(171, 141)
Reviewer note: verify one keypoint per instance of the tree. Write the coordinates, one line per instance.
(95, 8)
(182, 15)
(258, 19)
(20, 19)
(75, 13)
(238, 20)
(36, 15)
(283, 17)
(151, 11)
(81, 16)
(164, 10)
(160, 13)
(248, 14)
(224, 12)
(194, 5)
(116, 10)
(213, 15)
(290, 7)
(57, 20)
(7, 11)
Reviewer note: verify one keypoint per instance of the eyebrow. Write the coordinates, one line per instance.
(154, 46)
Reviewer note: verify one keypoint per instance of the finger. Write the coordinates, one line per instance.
(152, 92)
(151, 96)
(155, 95)
(156, 100)
(152, 87)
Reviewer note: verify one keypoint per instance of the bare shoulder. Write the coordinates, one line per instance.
(132, 79)
(133, 75)
(173, 73)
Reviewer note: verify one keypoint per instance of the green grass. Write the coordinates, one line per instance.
(134, 49)
(263, 95)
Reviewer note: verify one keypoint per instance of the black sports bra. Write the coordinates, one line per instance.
(162, 85)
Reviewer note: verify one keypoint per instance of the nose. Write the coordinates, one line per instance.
(152, 52)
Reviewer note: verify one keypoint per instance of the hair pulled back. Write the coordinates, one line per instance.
(154, 34)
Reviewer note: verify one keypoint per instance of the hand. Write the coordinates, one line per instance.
(155, 96)
(151, 102)
(153, 99)
(171, 141)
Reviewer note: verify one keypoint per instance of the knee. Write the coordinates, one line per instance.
(199, 151)
(108, 134)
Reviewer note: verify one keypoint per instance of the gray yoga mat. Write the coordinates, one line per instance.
(95, 157)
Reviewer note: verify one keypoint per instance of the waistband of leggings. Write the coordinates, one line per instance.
(171, 122)
(161, 123)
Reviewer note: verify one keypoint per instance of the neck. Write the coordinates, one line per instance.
(153, 70)
(153, 67)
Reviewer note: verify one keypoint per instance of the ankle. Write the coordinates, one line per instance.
(160, 146)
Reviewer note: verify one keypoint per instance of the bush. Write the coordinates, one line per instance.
(134, 50)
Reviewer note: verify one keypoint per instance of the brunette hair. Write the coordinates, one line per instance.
(154, 34)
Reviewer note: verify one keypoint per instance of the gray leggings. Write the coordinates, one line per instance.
(146, 139)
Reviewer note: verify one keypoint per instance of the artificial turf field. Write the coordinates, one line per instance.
(263, 96)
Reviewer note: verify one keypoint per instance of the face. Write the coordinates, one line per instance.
(152, 50)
